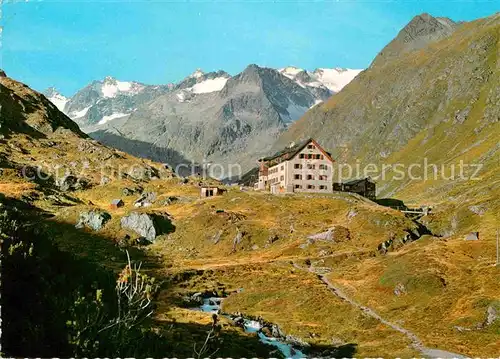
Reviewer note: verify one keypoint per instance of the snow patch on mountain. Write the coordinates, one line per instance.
(290, 71)
(79, 114)
(332, 79)
(111, 117)
(59, 101)
(112, 87)
(209, 85)
(56, 98)
(335, 79)
(197, 74)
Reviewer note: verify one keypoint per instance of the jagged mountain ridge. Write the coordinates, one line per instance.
(103, 101)
(230, 125)
(214, 117)
(109, 99)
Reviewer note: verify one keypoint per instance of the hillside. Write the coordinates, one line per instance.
(431, 95)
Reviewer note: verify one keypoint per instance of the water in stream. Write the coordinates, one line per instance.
(212, 305)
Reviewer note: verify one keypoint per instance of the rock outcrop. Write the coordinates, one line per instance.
(94, 220)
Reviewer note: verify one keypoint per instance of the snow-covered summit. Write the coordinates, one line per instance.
(333, 79)
(197, 73)
(111, 87)
(56, 98)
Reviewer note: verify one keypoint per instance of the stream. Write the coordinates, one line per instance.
(213, 305)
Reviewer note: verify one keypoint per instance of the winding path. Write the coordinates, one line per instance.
(416, 343)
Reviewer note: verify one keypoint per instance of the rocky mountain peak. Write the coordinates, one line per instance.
(109, 80)
(425, 26)
(197, 73)
(251, 74)
(56, 98)
(51, 92)
(422, 30)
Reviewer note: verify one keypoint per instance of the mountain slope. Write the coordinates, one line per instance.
(42, 149)
(26, 111)
(427, 111)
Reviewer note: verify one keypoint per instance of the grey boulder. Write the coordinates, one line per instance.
(94, 220)
(147, 225)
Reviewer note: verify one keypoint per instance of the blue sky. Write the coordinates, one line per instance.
(67, 44)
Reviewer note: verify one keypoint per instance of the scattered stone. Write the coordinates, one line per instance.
(473, 236)
(478, 209)
(216, 238)
(141, 223)
(266, 331)
(272, 238)
(461, 116)
(255, 247)
(276, 332)
(142, 241)
(491, 316)
(142, 173)
(95, 220)
(124, 242)
(384, 246)
(324, 253)
(70, 183)
(352, 213)
(128, 192)
(170, 200)
(462, 329)
(145, 200)
(335, 234)
(400, 289)
(337, 341)
(237, 240)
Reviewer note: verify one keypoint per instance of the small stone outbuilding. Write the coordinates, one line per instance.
(116, 203)
(207, 191)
